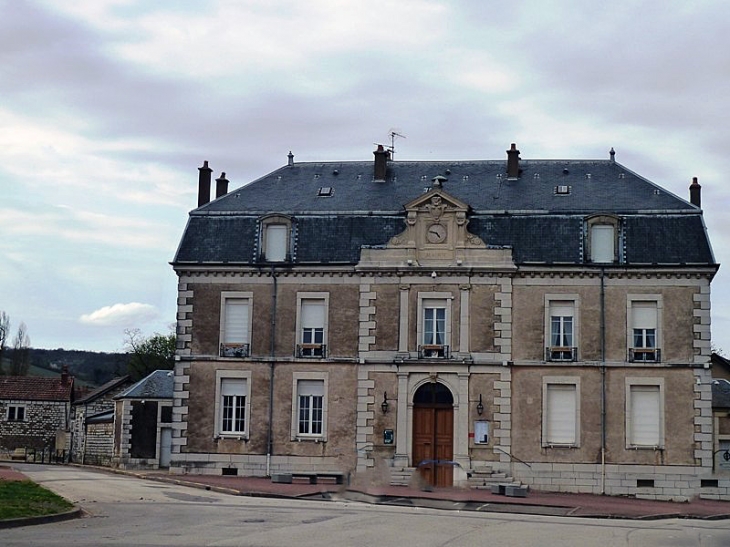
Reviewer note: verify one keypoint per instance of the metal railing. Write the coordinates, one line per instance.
(645, 355)
(235, 350)
(312, 351)
(559, 353)
(434, 351)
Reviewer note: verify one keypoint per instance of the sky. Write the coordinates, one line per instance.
(108, 107)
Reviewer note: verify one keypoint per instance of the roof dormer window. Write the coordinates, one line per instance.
(275, 238)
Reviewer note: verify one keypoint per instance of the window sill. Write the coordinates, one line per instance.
(310, 439)
(653, 448)
(231, 437)
(557, 445)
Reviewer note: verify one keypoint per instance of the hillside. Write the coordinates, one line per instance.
(90, 368)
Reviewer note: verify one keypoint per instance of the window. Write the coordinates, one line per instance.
(312, 327)
(16, 413)
(276, 242)
(602, 243)
(309, 411)
(275, 238)
(642, 329)
(232, 405)
(561, 411)
(561, 327)
(602, 239)
(644, 413)
(434, 328)
(561, 331)
(235, 324)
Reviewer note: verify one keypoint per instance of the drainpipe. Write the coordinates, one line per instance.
(603, 380)
(272, 354)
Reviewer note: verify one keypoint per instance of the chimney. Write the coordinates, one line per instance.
(64, 375)
(291, 158)
(513, 162)
(204, 184)
(694, 193)
(221, 186)
(381, 162)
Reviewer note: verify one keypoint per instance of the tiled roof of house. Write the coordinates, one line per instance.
(102, 390)
(529, 214)
(157, 385)
(34, 388)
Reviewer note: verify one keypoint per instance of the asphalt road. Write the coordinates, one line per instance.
(124, 510)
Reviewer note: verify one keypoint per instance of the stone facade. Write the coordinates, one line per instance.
(91, 433)
(35, 413)
(438, 328)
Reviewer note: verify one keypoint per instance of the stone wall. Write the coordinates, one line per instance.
(43, 419)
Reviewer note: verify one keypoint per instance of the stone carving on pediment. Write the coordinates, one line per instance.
(436, 235)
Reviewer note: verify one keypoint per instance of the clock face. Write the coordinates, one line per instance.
(436, 233)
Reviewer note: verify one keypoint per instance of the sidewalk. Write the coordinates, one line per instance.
(536, 503)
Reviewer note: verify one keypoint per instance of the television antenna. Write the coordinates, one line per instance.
(393, 134)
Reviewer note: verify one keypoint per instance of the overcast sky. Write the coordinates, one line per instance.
(107, 108)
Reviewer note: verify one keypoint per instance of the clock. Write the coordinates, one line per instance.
(436, 233)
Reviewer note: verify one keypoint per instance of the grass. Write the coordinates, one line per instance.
(26, 499)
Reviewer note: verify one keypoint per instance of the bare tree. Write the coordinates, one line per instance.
(4, 332)
(20, 363)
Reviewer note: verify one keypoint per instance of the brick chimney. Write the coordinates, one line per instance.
(64, 375)
(204, 184)
(381, 161)
(513, 162)
(695, 191)
(221, 186)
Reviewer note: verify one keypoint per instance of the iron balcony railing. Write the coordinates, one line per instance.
(558, 353)
(234, 350)
(645, 355)
(434, 351)
(316, 351)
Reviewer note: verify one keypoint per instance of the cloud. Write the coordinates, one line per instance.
(131, 314)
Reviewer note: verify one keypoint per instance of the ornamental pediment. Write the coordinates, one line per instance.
(436, 234)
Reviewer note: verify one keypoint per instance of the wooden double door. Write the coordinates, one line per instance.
(433, 434)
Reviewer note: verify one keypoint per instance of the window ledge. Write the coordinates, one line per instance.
(558, 445)
(644, 447)
(309, 439)
(232, 436)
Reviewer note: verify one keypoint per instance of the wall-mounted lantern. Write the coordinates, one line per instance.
(480, 406)
(384, 405)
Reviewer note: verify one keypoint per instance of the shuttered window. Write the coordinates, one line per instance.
(313, 321)
(645, 416)
(276, 242)
(602, 243)
(235, 328)
(561, 414)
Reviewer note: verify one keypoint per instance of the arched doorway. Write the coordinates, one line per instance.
(433, 433)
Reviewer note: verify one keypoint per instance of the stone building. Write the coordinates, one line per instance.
(546, 320)
(142, 423)
(35, 413)
(92, 423)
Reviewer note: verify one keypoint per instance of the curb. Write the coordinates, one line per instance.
(74, 513)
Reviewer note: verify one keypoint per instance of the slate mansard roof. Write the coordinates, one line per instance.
(525, 213)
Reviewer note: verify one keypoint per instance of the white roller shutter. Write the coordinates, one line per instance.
(645, 416)
(602, 243)
(276, 242)
(235, 329)
(561, 413)
(312, 314)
